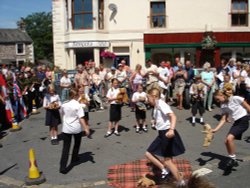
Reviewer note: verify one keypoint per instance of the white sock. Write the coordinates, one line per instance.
(164, 171)
(201, 119)
(193, 119)
(232, 156)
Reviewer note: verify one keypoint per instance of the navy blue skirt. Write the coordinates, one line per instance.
(167, 147)
(115, 112)
(53, 118)
(239, 127)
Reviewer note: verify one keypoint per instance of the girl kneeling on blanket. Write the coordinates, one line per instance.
(168, 142)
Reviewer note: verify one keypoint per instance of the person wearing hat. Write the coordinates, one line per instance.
(122, 76)
(110, 75)
(197, 91)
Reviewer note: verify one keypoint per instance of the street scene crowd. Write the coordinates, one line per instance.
(68, 99)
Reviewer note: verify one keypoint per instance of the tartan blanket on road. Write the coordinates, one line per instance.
(127, 175)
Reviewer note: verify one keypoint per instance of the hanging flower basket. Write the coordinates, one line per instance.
(107, 54)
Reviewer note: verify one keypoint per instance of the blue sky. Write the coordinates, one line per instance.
(12, 10)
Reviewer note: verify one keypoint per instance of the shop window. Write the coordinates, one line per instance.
(157, 15)
(239, 13)
(101, 14)
(20, 48)
(82, 14)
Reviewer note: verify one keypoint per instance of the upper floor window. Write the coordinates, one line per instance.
(239, 13)
(157, 14)
(20, 48)
(82, 14)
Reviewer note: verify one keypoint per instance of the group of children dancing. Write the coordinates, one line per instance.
(75, 119)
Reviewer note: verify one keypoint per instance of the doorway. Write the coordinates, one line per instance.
(207, 56)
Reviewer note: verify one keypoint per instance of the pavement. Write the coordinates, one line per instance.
(98, 153)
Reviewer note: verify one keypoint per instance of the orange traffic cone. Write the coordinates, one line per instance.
(35, 177)
(34, 109)
(15, 126)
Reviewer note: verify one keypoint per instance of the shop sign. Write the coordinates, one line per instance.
(87, 44)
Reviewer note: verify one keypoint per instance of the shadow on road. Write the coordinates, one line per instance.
(247, 139)
(82, 158)
(222, 162)
(122, 128)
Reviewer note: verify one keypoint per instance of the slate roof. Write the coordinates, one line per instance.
(14, 36)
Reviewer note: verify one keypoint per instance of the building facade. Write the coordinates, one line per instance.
(157, 29)
(16, 47)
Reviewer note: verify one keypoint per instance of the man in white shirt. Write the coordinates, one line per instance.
(65, 84)
(151, 75)
(163, 77)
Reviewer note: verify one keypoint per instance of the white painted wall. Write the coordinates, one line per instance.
(132, 21)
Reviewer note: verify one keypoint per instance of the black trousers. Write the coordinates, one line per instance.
(66, 146)
(198, 106)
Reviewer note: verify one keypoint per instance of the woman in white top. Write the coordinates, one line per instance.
(238, 108)
(51, 104)
(115, 108)
(73, 123)
(168, 138)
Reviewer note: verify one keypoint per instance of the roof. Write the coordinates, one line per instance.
(14, 36)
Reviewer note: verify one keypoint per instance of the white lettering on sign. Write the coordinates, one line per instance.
(87, 44)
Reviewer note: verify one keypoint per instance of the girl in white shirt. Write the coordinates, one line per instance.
(140, 98)
(73, 125)
(115, 108)
(168, 138)
(51, 104)
(238, 108)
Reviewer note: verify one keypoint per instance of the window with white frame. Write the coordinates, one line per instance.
(20, 62)
(239, 13)
(20, 48)
(157, 14)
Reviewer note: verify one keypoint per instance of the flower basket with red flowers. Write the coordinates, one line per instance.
(107, 54)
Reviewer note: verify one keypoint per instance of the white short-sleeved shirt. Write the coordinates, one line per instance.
(50, 99)
(164, 74)
(65, 81)
(160, 115)
(121, 75)
(234, 107)
(247, 81)
(137, 95)
(112, 93)
(71, 112)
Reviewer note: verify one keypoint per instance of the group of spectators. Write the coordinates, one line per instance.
(170, 80)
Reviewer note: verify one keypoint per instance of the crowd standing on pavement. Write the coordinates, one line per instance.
(93, 88)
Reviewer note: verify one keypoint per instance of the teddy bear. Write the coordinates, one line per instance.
(54, 105)
(208, 135)
(122, 96)
(145, 182)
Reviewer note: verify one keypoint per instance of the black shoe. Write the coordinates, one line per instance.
(117, 133)
(54, 142)
(63, 170)
(107, 135)
(193, 124)
(232, 163)
(145, 129)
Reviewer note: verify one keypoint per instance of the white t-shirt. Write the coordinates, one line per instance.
(121, 75)
(160, 115)
(137, 96)
(234, 107)
(71, 112)
(247, 81)
(50, 99)
(112, 93)
(164, 74)
(65, 81)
